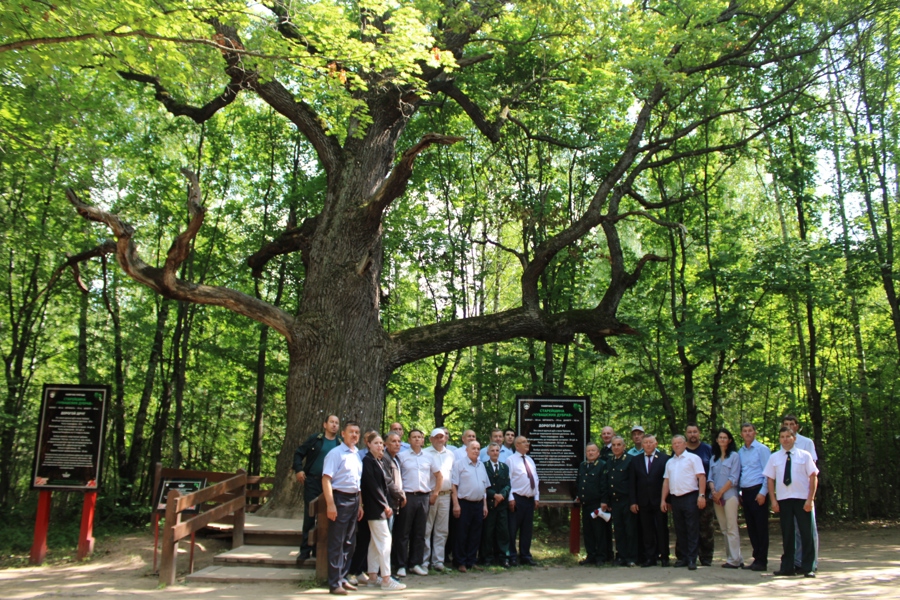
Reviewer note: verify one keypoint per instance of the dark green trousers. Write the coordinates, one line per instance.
(495, 534)
(625, 527)
(594, 533)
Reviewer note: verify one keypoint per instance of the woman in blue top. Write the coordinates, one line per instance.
(724, 482)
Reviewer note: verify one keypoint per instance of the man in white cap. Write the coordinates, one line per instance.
(438, 524)
(637, 438)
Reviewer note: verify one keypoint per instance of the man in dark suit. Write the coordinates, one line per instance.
(495, 534)
(646, 496)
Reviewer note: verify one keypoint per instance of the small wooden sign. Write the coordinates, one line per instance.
(184, 486)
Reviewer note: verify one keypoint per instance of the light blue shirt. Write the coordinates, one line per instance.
(344, 467)
(753, 461)
(504, 454)
(636, 451)
(723, 470)
(471, 480)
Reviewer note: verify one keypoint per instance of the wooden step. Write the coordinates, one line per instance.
(230, 574)
(280, 557)
(265, 531)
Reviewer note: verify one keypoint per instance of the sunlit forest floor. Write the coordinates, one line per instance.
(857, 560)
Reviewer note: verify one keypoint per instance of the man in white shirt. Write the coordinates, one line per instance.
(341, 476)
(685, 480)
(468, 437)
(422, 480)
(804, 443)
(470, 480)
(524, 498)
(438, 523)
(793, 479)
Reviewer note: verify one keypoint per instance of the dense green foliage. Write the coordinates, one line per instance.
(777, 294)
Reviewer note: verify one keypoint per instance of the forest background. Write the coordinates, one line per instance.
(757, 216)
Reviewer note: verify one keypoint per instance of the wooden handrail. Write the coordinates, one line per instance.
(234, 489)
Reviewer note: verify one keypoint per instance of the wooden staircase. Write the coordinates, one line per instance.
(269, 553)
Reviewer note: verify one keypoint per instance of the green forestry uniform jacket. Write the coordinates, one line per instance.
(618, 480)
(590, 482)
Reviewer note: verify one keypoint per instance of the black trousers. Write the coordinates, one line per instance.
(342, 537)
(625, 524)
(521, 522)
(408, 547)
(359, 562)
(312, 489)
(654, 525)
(594, 533)
(791, 509)
(757, 518)
(468, 532)
(686, 515)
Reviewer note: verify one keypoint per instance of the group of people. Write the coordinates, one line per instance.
(627, 495)
(398, 507)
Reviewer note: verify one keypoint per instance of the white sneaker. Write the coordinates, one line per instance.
(420, 570)
(363, 579)
(438, 566)
(401, 572)
(393, 585)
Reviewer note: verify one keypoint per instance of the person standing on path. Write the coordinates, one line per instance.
(308, 461)
(341, 477)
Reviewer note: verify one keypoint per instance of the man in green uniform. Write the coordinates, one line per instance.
(615, 499)
(308, 461)
(589, 485)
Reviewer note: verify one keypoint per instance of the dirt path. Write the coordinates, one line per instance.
(855, 563)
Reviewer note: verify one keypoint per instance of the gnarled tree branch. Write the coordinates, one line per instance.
(165, 282)
(395, 184)
(297, 238)
(197, 114)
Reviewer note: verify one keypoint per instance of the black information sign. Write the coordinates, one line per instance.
(557, 427)
(69, 449)
(184, 486)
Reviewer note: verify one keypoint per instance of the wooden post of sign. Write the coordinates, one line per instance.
(155, 540)
(86, 534)
(319, 508)
(41, 526)
(575, 530)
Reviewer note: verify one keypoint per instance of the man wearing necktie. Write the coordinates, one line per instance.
(495, 536)
(524, 498)
(793, 478)
(647, 473)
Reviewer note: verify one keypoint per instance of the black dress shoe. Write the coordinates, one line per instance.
(706, 562)
(586, 562)
(304, 553)
(692, 566)
(648, 563)
(664, 562)
(621, 562)
(600, 563)
(759, 567)
(730, 566)
(513, 562)
(528, 561)
(781, 573)
(680, 563)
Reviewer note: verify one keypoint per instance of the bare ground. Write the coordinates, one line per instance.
(857, 562)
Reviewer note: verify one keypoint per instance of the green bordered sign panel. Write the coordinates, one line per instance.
(69, 448)
(557, 427)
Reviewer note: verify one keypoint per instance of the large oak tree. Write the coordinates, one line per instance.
(631, 82)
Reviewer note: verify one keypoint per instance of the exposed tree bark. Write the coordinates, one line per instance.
(110, 300)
